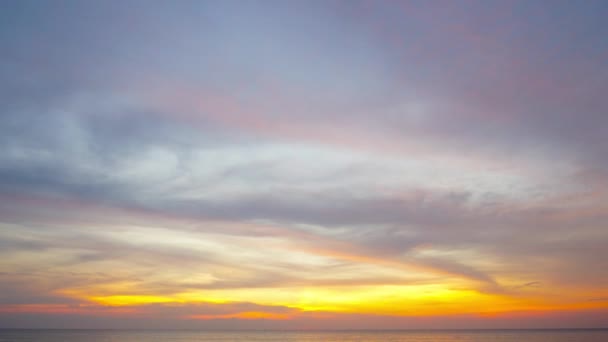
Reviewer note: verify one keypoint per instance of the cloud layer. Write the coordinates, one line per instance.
(270, 164)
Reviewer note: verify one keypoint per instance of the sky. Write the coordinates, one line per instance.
(303, 164)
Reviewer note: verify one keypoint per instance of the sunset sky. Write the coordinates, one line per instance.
(303, 164)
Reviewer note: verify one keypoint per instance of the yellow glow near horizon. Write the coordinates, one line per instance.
(130, 300)
(389, 299)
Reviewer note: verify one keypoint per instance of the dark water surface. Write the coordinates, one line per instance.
(274, 336)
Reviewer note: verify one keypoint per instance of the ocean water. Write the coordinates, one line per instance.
(259, 336)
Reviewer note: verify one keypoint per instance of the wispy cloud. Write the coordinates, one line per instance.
(237, 164)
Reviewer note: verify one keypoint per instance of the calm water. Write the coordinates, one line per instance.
(401, 336)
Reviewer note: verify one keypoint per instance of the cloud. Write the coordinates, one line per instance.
(341, 145)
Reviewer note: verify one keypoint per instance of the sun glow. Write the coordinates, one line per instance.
(389, 299)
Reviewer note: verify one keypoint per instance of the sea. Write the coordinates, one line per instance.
(561, 335)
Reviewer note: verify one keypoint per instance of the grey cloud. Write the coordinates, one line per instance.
(402, 226)
(455, 267)
(85, 89)
(331, 208)
(534, 284)
(20, 291)
(153, 316)
(599, 299)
